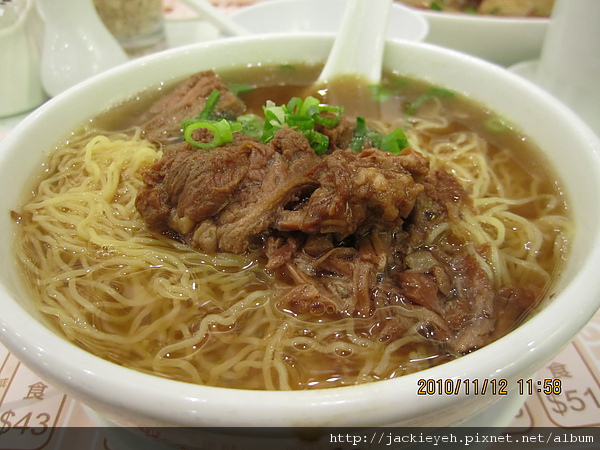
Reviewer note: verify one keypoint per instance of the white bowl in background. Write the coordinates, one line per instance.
(131, 398)
(322, 16)
(502, 40)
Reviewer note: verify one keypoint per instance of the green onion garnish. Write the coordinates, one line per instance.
(359, 134)
(429, 93)
(379, 93)
(287, 68)
(222, 132)
(394, 142)
(319, 142)
(240, 88)
(209, 105)
(252, 125)
(497, 124)
(328, 116)
(301, 115)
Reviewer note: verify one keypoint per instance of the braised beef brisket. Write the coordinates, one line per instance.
(344, 233)
(219, 200)
(162, 122)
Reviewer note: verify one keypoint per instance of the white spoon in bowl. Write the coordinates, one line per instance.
(359, 44)
(77, 44)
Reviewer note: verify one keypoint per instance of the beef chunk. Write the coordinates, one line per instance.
(443, 200)
(217, 200)
(358, 192)
(162, 122)
(340, 136)
(470, 311)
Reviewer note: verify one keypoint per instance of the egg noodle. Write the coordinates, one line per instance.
(153, 304)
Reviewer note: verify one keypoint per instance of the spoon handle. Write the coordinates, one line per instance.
(223, 22)
(359, 44)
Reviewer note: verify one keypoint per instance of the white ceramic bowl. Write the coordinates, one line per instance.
(322, 16)
(127, 397)
(502, 40)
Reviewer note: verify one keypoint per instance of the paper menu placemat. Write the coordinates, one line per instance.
(27, 400)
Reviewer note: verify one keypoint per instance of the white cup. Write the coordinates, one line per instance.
(20, 85)
(569, 65)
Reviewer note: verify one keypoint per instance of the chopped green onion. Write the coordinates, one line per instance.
(252, 125)
(301, 115)
(359, 134)
(310, 106)
(209, 105)
(497, 124)
(222, 132)
(379, 93)
(328, 110)
(429, 93)
(301, 123)
(394, 142)
(382, 93)
(287, 68)
(240, 88)
(294, 105)
(274, 120)
(319, 142)
(306, 107)
(434, 6)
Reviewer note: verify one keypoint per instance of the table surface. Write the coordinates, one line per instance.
(24, 395)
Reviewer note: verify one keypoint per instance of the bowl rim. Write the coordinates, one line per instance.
(187, 403)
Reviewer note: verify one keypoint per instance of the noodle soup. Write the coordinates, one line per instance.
(153, 301)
